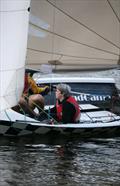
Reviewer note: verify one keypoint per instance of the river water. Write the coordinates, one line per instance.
(36, 161)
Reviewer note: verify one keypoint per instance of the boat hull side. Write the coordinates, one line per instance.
(9, 128)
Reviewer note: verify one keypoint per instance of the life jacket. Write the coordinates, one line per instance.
(59, 109)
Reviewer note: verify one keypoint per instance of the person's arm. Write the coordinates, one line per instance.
(35, 89)
(68, 112)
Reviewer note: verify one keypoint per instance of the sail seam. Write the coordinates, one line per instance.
(90, 29)
(64, 54)
(64, 37)
(22, 10)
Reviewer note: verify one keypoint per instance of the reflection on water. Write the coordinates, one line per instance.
(59, 162)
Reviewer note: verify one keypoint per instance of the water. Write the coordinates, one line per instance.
(67, 162)
(55, 163)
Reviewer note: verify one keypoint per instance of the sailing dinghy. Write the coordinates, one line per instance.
(95, 99)
(68, 35)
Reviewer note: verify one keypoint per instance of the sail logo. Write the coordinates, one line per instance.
(86, 97)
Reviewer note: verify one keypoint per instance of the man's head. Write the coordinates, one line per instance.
(63, 91)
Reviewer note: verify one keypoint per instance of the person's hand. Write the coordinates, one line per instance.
(46, 91)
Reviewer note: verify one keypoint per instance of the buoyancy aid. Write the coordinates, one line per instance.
(59, 111)
(59, 108)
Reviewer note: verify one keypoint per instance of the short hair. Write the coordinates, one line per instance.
(64, 89)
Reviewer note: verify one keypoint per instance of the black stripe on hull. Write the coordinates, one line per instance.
(8, 128)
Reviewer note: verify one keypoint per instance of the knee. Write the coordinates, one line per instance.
(36, 97)
(39, 97)
(22, 101)
(36, 100)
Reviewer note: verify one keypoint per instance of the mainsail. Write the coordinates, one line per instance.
(14, 16)
(79, 34)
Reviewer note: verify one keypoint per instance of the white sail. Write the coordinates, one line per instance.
(14, 16)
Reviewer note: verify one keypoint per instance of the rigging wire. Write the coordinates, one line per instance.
(8, 116)
(118, 20)
(53, 36)
(113, 10)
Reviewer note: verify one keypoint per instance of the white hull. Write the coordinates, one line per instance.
(95, 120)
(19, 125)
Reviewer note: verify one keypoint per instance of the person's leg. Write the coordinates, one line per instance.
(21, 106)
(24, 106)
(36, 100)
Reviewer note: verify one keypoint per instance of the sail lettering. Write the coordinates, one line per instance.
(85, 97)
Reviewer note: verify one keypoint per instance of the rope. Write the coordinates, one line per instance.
(49, 116)
(22, 111)
(7, 115)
